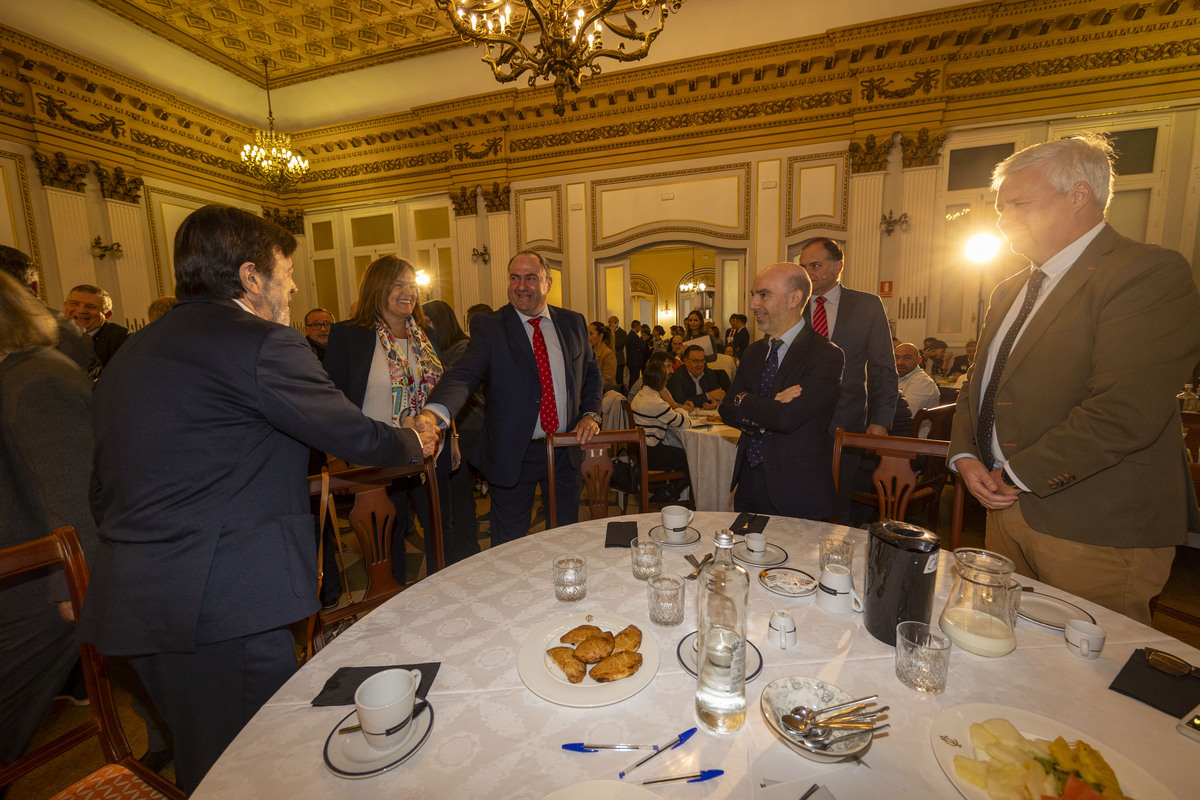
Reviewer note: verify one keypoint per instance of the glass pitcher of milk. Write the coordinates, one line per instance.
(978, 615)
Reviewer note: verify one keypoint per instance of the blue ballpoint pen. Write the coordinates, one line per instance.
(671, 745)
(584, 747)
(695, 777)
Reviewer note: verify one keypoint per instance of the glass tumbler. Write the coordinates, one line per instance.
(665, 593)
(570, 578)
(646, 555)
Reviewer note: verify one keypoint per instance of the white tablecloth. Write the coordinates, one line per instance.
(495, 740)
(711, 453)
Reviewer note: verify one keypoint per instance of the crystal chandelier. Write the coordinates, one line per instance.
(571, 37)
(270, 158)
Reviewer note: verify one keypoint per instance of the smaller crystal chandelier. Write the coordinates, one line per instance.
(270, 158)
(570, 41)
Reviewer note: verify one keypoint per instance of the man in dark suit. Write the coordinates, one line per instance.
(524, 354)
(635, 352)
(738, 335)
(71, 341)
(696, 384)
(90, 307)
(1068, 429)
(856, 322)
(782, 399)
(618, 346)
(203, 423)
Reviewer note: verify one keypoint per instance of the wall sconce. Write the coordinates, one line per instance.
(100, 250)
(889, 223)
(423, 278)
(481, 255)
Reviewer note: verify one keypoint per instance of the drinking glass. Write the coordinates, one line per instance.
(837, 549)
(570, 578)
(646, 555)
(664, 593)
(922, 657)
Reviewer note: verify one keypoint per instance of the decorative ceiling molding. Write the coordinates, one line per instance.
(870, 156)
(60, 173)
(116, 185)
(924, 150)
(290, 219)
(465, 201)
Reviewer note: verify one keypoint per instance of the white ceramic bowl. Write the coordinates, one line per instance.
(780, 696)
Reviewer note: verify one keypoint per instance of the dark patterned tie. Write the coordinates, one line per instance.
(987, 411)
(754, 451)
(820, 321)
(549, 410)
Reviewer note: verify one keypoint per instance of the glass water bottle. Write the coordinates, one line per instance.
(722, 597)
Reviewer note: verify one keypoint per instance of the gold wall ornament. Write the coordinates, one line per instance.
(870, 156)
(60, 173)
(889, 222)
(492, 146)
(497, 199)
(924, 81)
(1053, 67)
(54, 109)
(101, 250)
(465, 201)
(116, 185)
(570, 39)
(923, 151)
(11, 97)
(290, 219)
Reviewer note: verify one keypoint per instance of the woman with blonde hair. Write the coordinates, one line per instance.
(383, 361)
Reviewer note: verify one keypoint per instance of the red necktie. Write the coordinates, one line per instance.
(820, 321)
(549, 411)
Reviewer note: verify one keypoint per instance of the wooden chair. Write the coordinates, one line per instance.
(939, 419)
(932, 473)
(895, 482)
(660, 476)
(597, 468)
(948, 394)
(124, 775)
(373, 519)
(1191, 423)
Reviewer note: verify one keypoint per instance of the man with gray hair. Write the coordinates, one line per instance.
(1067, 429)
(89, 307)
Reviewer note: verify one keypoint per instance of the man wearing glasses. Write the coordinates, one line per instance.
(696, 384)
(316, 330)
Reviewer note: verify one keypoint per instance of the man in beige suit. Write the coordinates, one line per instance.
(1068, 430)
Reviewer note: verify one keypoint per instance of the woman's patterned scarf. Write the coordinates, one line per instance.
(412, 378)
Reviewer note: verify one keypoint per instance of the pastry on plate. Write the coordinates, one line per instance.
(617, 666)
(564, 659)
(577, 635)
(628, 640)
(595, 648)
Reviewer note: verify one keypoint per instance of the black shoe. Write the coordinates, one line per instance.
(156, 760)
(327, 605)
(663, 496)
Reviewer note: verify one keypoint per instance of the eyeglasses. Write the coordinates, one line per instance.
(322, 325)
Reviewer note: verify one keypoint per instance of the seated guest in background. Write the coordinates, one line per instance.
(478, 308)
(663, 359)
(676, 352)
(738, 335)
(935, 358)
(71, 341)
(659, 339)
(959, 367)
(317, 324)
(916, 386)
(203, 425)
(655, 410)
(782, 399)
(697, 386)
(159, 307)
(45, 471)
(89, 307)
(606, 359)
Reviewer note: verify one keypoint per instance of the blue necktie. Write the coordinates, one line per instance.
(754, 451)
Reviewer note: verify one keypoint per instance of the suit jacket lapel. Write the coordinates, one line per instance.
(568, 344)
(795, 354)
(518, 342)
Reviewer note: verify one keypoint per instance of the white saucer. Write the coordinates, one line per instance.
(692, 537)
(773, 556)
(1053, 612)
(687, 657)
(348, 755)
(787, 582)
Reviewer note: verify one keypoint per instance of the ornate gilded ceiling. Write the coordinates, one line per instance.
(302, 39)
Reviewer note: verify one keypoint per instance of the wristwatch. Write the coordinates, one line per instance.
(737, 401)
(596, 417)
(1008, 481)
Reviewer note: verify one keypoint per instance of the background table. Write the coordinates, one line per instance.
(493, 738)
(711, 454)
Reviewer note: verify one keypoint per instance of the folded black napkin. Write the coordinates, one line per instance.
(340, 688)
(749, 523)
(620, 534)
(1174, 695)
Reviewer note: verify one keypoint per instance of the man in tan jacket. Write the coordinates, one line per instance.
(1068, 430)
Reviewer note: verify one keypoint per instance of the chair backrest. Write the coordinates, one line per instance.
(62, 548)
(948, 394)
(939, 419)
(597, 468)
(894, 477)
(613, 407)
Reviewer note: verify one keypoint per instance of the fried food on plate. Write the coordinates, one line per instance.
(577, 635)
(617, 666)
(628, 640)
(564, 659)
(595, 648)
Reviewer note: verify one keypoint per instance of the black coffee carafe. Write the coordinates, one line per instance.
(902, 562)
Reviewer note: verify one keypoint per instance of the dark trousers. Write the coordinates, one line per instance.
(462, 538)
(208, 696)
(752, 494)
(411, 488)
(512, 506)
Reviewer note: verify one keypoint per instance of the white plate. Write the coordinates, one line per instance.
(773, 556)
(1050, 611)
(602, 790)
(531, 664)
(690, 539)
(950, 736)
(348, 755)
(687, 657)
(806, 585)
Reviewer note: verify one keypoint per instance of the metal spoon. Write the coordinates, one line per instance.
(692, 560)
(825, 741)
(805, 727)
(420, 706)
(809, 716)
(1170, 664)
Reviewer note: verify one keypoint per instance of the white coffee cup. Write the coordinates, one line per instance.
(1083, 638)
(385, 707)
(835, 590)
(675, 521)
(782, 629)
(756, 543)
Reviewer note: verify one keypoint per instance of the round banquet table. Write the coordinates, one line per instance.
(493, 738)
(711, 454)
